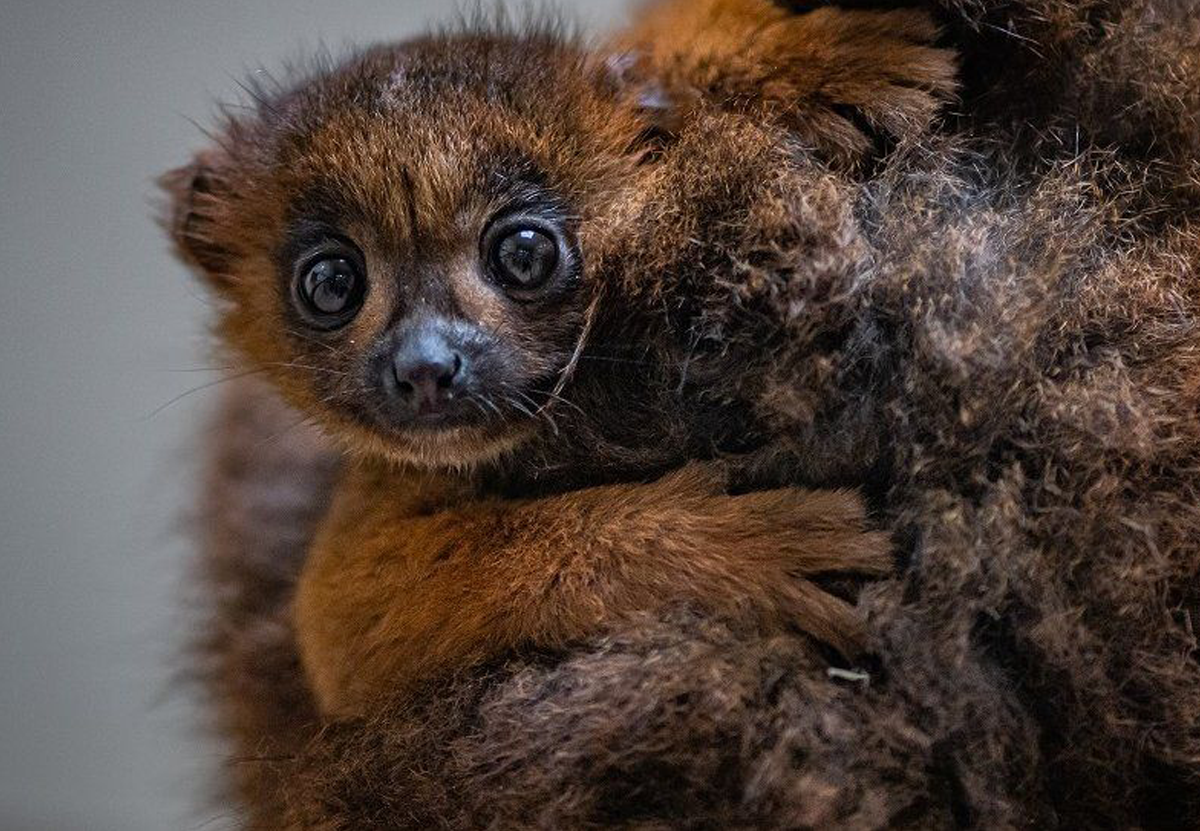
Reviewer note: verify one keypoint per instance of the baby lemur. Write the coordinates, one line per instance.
(475, 258)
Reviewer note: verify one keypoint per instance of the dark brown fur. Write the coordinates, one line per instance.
(1000, 328)
(405, 150)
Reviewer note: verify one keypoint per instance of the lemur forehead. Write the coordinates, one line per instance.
(405, 182)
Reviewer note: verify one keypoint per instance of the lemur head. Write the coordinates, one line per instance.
(400, 238)
(414, 244)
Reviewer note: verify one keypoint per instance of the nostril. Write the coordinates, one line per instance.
(427, 379)
(450, 373)
(427, 370)
(404, 380)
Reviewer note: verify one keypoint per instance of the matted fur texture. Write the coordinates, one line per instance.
(1008, 328)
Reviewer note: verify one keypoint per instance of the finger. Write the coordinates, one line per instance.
(866, 552)
(829, 619)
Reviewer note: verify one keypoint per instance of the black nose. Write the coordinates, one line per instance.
(427, 371)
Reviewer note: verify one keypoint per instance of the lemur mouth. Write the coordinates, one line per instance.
(447, 445)
(463, 415)
(433, 384)
(430, 420)
(452, 416)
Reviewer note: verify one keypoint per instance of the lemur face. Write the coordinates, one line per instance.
(415, 244)
(402, 241)
(445, 315)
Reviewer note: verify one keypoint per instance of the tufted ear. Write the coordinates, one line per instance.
(851, 78)
(625, 72)
(196, 196)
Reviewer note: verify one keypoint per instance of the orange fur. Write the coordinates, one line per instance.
(399, 587)
(415, 574)
(836, 78)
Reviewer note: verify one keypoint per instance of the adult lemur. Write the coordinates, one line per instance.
(999, 318)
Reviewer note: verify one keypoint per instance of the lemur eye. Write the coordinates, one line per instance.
(330, 292)
(523, 257)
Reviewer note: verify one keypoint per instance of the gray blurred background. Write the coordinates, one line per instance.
(101, 332)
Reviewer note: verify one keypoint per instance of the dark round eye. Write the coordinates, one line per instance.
(524, 258)
(331, 291)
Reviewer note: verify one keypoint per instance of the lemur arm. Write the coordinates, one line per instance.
(394, 592)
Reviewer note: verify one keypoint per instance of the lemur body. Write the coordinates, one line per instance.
(470, 258)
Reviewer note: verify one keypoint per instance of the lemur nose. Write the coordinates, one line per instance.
(427, 372)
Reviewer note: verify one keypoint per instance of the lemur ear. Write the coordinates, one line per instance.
(195, 196)
(659, 110)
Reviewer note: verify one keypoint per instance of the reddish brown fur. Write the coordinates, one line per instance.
(394, 595)
(409, 580)
(809, 71)
(997, 330)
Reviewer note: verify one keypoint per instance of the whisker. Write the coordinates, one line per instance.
(475, 401)
(632, 361)
(338, 396)
(518, 406)
(311, 339)
(534, 414)
(540, 412)
(556, 397)
(296, 425)
(295, 365)
(589, 318)
(193, 390)
(508, 388)
(482, 401)
(536, 410)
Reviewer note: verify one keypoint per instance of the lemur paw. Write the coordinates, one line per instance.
(776, 540)
(851, 83)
